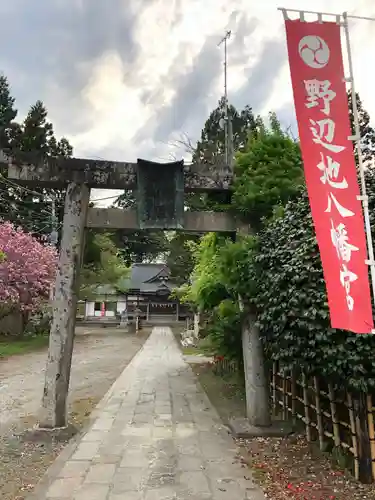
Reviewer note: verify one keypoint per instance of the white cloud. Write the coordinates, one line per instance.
(108, 89)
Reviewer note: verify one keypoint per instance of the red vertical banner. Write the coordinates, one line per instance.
(317, 72)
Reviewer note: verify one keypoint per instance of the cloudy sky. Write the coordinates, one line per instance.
(123, 78)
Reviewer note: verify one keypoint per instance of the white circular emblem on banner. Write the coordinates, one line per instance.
(313, 51)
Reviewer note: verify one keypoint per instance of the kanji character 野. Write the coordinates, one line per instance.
(331, 169)
(316, 90)
(325, 129)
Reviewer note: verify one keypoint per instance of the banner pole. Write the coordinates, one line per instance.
(285, 14)
(357, 140)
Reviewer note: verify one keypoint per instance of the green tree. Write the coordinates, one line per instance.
(38, 139)
(180, 258)
(9, 129)
(139, 245)
(28, 208)
(211, 148)
(268, 173)
(37, 131)
(103, 263)
(292, 306)
(366, 130)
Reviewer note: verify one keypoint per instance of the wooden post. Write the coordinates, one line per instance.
(196, 325)
(319, 414)
(363, 438)
(274, 389)
(57, 377)
(294, 396)
(306, 406)
(256, 384)
(371, 429)
(148, 311)
(285, 397)
(332, 404)
(177, 311)
(354, 435)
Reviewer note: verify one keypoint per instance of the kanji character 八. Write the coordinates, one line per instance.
(344, 212)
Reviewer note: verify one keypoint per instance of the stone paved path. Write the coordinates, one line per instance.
(156, 437)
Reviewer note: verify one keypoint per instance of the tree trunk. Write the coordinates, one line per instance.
(257, 390)
(57, 377)
(24, 321)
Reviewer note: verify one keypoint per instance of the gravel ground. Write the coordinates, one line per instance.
(291, 469)
(100, 355)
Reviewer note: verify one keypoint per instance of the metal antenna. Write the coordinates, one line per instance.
(226, 118)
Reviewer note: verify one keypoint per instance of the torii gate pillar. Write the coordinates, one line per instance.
(54, 406)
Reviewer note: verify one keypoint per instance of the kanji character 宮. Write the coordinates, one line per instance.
(347, 277)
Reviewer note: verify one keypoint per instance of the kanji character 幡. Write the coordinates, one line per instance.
(325, 130)
(340, 240)
(331, 169)
(316, 90)
(344, 212)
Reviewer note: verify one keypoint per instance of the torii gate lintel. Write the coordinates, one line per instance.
(78, 176)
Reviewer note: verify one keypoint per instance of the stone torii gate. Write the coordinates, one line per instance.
(151, 181)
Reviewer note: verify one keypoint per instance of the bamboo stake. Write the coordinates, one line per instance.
(294, 396)
(371, 431)
(306, 405)
(335, 425)
(274, 377)
(354, 436)
(319, 414)
(285, 398)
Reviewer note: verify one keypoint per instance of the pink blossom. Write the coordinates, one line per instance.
(27, 269)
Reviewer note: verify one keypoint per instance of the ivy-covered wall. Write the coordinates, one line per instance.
(292, 304)
(278, 273)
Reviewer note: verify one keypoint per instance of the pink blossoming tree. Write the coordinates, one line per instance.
(27, 271)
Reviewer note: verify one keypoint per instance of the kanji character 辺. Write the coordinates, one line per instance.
(331, 171)
(344, 212)
(340, 240)
(325, 130)
(319, 90)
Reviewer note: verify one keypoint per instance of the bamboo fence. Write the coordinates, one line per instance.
(341, 422)
(223, 366)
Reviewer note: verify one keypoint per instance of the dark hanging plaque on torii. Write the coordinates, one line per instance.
(160, 194)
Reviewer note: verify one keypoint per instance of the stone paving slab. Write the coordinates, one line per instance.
(155, 437)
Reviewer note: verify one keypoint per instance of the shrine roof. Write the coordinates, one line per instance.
(144, 277)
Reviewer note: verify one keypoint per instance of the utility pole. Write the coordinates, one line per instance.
(54, 235)
(227, 119)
